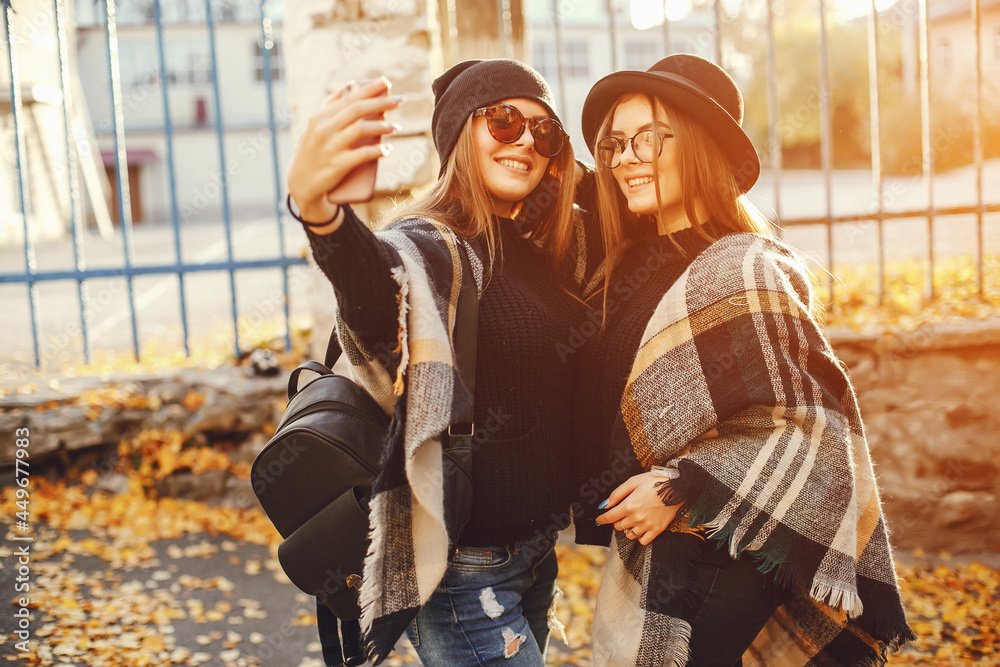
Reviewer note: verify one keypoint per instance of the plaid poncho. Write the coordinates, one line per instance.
(738, 395)
(409, 548)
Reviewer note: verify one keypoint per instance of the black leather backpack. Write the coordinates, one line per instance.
(314, 479)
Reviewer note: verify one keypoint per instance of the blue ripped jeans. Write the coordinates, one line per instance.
(491, 607)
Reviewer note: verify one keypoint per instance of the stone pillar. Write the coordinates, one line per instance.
(331, 42)
(481, 34)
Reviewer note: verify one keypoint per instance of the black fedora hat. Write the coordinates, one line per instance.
(690, 84)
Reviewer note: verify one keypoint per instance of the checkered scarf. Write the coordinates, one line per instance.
(738, 398)
(409, 538)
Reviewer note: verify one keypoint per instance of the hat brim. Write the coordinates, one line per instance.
(731, 138)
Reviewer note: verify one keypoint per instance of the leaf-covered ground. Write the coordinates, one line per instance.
(128, 579)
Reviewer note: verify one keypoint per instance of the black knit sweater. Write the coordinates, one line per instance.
(650, 267)
(522, 474)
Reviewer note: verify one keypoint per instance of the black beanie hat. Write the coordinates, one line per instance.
(475, 84)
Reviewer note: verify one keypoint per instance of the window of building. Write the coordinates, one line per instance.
(277, 62)
(577, 59)
(640, 55)
(544, 59)
(138, 65)
(188, 63)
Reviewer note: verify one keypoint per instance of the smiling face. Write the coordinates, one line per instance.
(636, 178)
(510, 171)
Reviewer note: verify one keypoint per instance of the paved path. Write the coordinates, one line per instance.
(213, 601)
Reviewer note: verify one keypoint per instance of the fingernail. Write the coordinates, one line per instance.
(396, 127)
(604, 503)
(387, 148)
(398, 99)
(598, 523)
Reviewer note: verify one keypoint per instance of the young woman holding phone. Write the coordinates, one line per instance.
(478, 595)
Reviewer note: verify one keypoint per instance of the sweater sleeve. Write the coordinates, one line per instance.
(360, 268)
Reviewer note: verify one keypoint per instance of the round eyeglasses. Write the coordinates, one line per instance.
(506, 124)
(646, 145)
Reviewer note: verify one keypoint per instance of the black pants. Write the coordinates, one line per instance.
(737, 602)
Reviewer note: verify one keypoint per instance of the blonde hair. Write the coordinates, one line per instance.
(706, 178)
(460, 200)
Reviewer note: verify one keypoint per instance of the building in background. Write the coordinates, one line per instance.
(596, 43)
(953, 46)
(243, 98)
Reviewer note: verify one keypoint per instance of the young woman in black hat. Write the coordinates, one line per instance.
(478, 594)
(747, 522)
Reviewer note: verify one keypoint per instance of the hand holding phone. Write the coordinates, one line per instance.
(359, 184)
(331, 165)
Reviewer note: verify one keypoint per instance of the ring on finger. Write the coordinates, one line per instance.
(629, 533)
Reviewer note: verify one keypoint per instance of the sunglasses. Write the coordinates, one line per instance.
(646, 145)
(506, 125)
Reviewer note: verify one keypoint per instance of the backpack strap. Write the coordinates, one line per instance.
(458, 439)
(341, 640)
(333, 350)
(331, 637)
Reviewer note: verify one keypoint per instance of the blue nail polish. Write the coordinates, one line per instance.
(604, 503)
(598, 523)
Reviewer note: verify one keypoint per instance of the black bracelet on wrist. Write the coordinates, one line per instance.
(306, 223)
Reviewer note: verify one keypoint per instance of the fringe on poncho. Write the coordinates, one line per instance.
(737, 394)
(422, 393)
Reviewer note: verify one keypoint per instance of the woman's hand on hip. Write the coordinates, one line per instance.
(636, 508)
(324, 155)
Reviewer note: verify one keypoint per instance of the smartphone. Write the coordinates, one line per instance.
(359, 185)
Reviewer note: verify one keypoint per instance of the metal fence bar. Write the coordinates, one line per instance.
(977, 143)
(718, 33)
(17, 111)
(876, 142)
(505, 26)
(773, 115)
(168, 131)
(612, 33)
(825, 147)
(150, 270)
(560, 55)
(451, 42)
(223, 174)
(895, 215)
(121, 161)
(72, 182)
(927, 165)
(267, 43)
(666, 31)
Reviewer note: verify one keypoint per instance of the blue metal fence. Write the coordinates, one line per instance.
(31, 277)
(878, 214)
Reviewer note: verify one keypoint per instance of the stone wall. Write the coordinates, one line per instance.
(80, 422)
(926, 398)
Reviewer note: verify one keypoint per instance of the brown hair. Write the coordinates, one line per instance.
(706, 178)
(460, 200)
